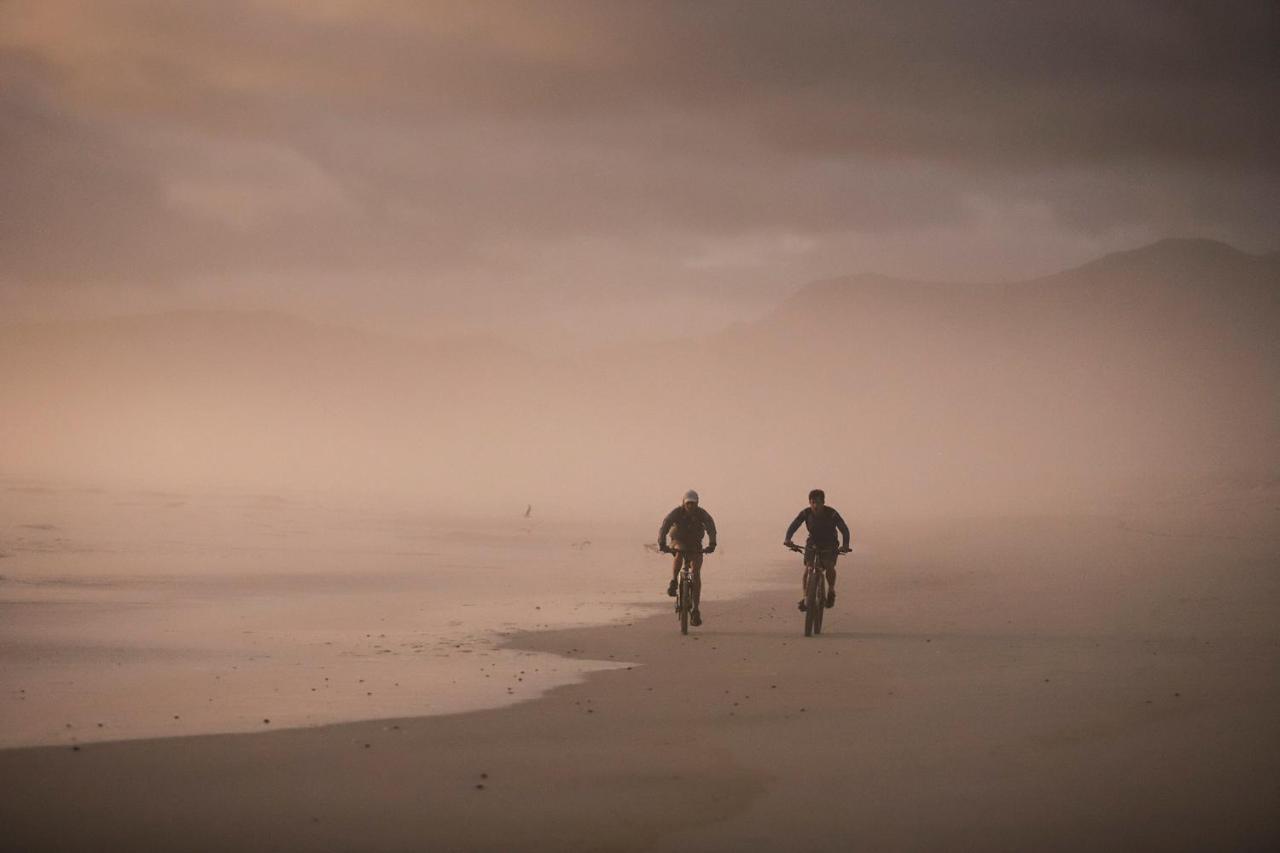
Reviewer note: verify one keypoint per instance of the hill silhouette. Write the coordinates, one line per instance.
(1152, 364)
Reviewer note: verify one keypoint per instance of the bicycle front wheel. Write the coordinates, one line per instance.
(819, 602)
(811, 602)
(686, 605)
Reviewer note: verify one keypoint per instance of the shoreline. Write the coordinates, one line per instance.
(156, 621)
(962, 715)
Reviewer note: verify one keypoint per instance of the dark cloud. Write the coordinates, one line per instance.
(657, 144)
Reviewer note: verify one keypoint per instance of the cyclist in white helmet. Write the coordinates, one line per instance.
(687, 524)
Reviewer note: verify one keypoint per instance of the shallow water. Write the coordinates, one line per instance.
(143, 614)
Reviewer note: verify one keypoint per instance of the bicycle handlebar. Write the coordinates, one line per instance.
(800, 549)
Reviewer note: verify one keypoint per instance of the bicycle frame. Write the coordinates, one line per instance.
(815, 587)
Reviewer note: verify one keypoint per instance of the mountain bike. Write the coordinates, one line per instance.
(684, 587)
(815, 589)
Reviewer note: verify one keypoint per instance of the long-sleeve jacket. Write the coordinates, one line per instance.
(822, 526)
(687, 528)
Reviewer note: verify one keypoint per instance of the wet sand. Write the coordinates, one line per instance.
(142, 615)
(1023, 684)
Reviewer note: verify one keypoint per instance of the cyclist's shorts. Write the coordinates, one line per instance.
(826, 559)
(694, 556)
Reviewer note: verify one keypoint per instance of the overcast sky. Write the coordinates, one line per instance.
(436, 166)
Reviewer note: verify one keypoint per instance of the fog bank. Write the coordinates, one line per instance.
(1137, 374)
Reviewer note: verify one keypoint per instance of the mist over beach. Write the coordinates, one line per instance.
(1138, 374)
(351, 355)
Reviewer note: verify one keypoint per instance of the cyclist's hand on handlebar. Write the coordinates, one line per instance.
(787, 543)
(709, 548)
(664, 549)
(845, 550)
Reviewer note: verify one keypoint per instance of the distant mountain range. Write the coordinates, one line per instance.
(1155, 365)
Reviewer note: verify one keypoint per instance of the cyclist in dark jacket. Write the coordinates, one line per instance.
(687, 524)
(823, 522)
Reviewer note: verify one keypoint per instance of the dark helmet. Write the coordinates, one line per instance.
(818, 495)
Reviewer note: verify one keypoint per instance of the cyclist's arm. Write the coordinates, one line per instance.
(711, 528)
(844, 531)
(667, 524)
(795, 525)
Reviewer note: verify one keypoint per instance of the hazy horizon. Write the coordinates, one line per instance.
(1141, 374)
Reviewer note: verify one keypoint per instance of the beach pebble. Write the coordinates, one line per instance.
(266, 720)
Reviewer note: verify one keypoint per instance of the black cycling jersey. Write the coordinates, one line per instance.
(822, 526)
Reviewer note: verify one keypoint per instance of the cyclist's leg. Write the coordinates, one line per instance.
(810, 558)
(804, 576)
(675, 573)
(830, 566)
(695, 563)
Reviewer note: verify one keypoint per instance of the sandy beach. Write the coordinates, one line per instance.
(352, 355)
(982, 685)
(138, 615)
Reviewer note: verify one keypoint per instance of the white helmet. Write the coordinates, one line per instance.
(690, 497)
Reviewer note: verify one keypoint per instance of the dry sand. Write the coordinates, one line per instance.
(1021, 684)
